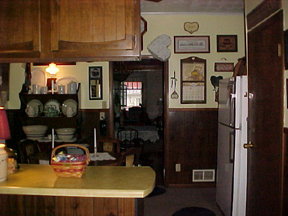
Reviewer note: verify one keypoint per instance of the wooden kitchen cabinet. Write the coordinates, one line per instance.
(69, 30)
(20, 29)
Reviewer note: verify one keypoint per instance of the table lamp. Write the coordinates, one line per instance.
(52, 70)
(4, 125)
(4, 134)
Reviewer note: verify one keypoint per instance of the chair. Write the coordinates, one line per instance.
(131, 157)
(30, 152)
(109, 144)
(128, 138)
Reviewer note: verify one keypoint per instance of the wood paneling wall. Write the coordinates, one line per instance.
(285, 181)
(60, 205)
(191, 141)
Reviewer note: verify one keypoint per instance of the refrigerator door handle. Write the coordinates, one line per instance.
(232, 109)
(231, 146)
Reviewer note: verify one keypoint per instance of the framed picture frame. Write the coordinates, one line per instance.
(95, 83)
(223, 67)
(191, 44)
(193, 80)
(227, 43)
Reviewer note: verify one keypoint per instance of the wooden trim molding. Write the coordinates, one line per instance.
(262, 11)
(191, 109)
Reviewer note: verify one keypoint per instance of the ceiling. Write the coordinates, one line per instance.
(192, 6)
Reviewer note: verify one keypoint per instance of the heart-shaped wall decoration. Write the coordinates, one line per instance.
(215, 80)
(191, 27)
(159, 47)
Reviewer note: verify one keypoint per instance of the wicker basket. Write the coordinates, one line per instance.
(70, 169)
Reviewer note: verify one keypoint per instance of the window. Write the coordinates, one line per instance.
(131, 94)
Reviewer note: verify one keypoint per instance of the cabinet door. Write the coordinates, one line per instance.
(19, 28)
(102, 28)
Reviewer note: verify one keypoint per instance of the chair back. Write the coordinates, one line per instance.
(128, 138)
(109, 144)
(28, 149)
(131, 157)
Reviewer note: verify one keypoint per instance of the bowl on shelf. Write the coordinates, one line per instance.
(35, 132)
(65, 133)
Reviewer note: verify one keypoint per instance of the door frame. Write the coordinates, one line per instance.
(165, 98)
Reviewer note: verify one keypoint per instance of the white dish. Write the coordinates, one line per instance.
(53, 103)
(69, 103)
(52, 108)
(65, 80)
(36, 103)
(38, 76)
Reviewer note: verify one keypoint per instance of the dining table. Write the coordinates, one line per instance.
(147, 132)
(109, 159)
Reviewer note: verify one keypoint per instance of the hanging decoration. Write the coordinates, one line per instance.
(191, 27)
(159, 47)
(174, 94)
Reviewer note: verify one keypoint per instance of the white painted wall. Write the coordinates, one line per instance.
(79, 71)
(212, 25)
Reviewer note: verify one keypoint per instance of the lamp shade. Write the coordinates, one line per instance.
(52, 69)
(4, 125)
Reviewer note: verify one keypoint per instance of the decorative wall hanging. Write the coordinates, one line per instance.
(193, 80)
(223, 67)
(174, 94)
(227, 43)
(159, 47)
(215, 82)
(192, 44)
(191, 27)
(95, 83)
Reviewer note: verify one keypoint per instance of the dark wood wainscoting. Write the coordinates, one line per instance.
(192, 143)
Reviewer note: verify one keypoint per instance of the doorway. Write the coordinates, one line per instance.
(151, 73)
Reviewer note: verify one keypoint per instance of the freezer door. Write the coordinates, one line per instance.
(225, 159)
(226, 105)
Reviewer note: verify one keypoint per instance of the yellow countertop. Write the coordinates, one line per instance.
(97, 181)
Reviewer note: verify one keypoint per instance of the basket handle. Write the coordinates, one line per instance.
(72, 145)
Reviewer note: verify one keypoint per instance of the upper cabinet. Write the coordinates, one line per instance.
(20, 29)
(69, 30)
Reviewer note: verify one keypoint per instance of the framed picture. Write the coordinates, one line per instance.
(192, 44)
(227, 43)
(95, 83)
(193, 80)
(223, 67)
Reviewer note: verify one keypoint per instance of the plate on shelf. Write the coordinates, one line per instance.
(52, 108)
(69, 103)
(38, 76)
(65, 80)
(36, 104)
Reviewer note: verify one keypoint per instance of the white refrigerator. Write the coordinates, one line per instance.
(231, 156)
